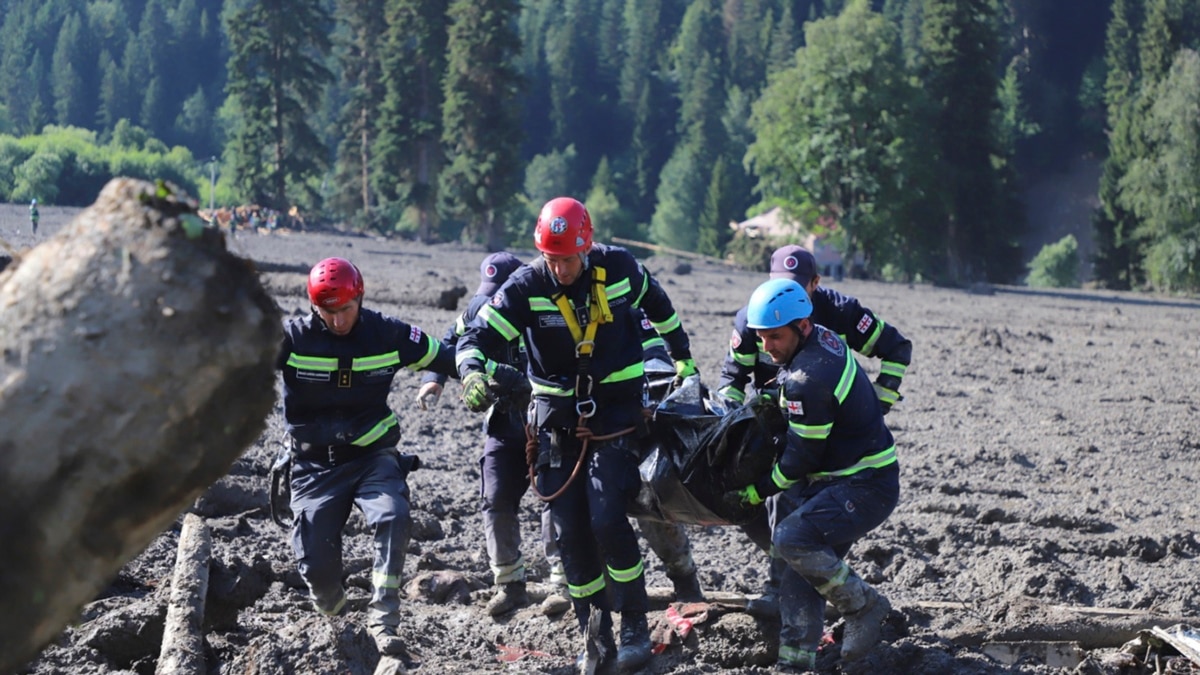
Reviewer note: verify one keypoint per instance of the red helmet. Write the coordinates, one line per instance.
(563, 227)
(334, 282)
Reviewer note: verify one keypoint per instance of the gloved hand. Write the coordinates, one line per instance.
(684, 368)
(508, 381)
(476, 393)
(428, 395)
(741, 499)
(887, 397)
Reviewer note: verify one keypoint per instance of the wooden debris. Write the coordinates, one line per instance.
(183, 637)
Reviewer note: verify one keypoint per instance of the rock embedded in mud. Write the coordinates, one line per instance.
(138, 364)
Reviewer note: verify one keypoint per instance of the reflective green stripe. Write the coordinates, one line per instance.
(497, 321)
(627, 575)
(539, 304)
(892, 368)
(781, 481)
(667, 326)
(587, 590)
(618, 289)
(842, 390)
(627, 373)
(733, 393)
(377, 361)
(431, 353)
(503, 574)
(645, 286)
(876, 461)
(377, 431)
(312, 362)
(869, 347)
(469, 354)
(653, 343)
(742, 359)
(888, 396)
(550, 390)
(839, 577)
(813, 432)
(460, 326)
(381, 580)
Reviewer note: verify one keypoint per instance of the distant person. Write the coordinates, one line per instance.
(746, 361)
(34, 216)
(338, 364)
(837, 475)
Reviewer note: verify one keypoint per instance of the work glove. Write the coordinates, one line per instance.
(508, 381)
(684, 368)
(428, 395)
(739, 500)
(887, 397)
(477, 394)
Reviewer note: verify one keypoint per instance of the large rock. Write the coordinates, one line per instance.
(137, 363)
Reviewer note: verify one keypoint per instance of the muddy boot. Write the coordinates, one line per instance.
(687, 588)
(556, 602)
(864, 610)
(765, 606)
(635, 642)
(600, 650)
(510, 596)
(386, 640)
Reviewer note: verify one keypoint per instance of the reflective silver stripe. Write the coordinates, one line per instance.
(468, 354)
(869, 346)
(645, 286)
(550, 390)
(431, 352)
(892, 368)
(814, 432)
(627, 575)
(664, 327)
(618, 289)
(843, 386)
(743, 359)
(586, 590)
(538, 304)
(497, 321)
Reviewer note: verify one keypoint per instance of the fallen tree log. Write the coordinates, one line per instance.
(137, 365)
(183, 637)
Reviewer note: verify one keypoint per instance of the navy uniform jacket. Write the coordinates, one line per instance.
(335, 388)
(525, 307)
(865, 332)
(835, 422)
(507, 423)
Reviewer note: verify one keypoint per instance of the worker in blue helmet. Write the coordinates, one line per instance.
(837, 476)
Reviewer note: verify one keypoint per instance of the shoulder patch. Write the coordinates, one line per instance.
(831, 342)
(497, 299)
(795, 408)
(414, 334)
(864, 323)
(735, 340)
(646, 325)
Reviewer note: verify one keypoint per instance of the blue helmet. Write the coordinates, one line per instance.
(776, 303)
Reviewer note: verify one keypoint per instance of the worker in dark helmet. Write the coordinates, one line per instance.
(502, 468)
(338, 364)
(838, 472)
(746, 363)
(575, 307)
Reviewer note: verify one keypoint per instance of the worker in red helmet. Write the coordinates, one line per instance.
(576, 307)
(338, 364)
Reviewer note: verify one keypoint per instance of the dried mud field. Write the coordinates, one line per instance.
(1048, 445)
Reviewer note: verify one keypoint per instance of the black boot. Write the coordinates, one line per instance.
(508, 597)
(687, 588)
(635, 642)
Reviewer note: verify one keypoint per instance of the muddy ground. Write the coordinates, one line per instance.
(1048, 448)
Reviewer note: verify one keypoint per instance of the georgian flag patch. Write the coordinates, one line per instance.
(646, 325)
(864, 323)
(795, 408)
(414, 334)
(735, 340)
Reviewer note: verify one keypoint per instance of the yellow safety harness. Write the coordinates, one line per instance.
(598, 312)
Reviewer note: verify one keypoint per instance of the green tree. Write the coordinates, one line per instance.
(70, 100)
(831, 131)
(1161, 186)
(359, 53)
(1056, 265)
(480, 121)
(408, 147)
(275, 76)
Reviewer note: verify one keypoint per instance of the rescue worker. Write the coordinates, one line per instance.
(502, 467)
(862, 330)
(575, 308)
(34, 216)
(838, 470)
(338, 364)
